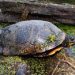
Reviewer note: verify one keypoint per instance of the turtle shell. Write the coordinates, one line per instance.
(31, 37)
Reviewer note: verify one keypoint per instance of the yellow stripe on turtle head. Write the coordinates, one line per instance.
(71, 44)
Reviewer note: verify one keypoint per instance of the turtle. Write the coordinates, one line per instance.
(33, 37)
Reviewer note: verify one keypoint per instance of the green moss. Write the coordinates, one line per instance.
(3, 25)
(7, 65)
(51, 38)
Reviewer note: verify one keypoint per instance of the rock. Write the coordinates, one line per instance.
(23, 70)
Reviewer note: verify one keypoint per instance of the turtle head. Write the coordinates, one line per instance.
(70, 40)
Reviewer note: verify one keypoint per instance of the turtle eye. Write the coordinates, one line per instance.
(72, 39)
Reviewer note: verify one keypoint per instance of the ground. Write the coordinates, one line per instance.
(40, 66)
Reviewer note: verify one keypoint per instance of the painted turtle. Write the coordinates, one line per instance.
(33, 37)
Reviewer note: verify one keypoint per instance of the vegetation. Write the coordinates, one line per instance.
(69, 29)
(51, 38)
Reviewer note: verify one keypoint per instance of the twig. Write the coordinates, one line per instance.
(65, 61)
(56, 68)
